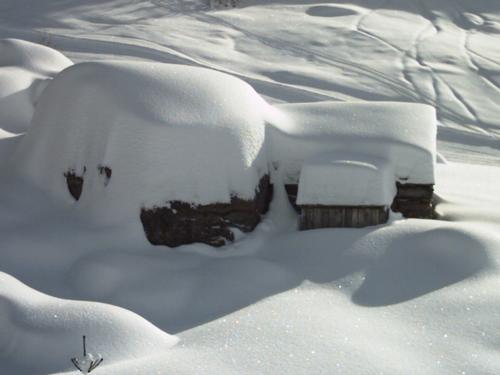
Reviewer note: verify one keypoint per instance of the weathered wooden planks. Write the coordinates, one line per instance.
(412, 200)
(313, 217)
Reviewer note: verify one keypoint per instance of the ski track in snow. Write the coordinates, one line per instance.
(471, 123)
(479, 126)
(163, 53)
(405, 87)
(407, 54)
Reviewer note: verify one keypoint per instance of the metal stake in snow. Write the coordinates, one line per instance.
(88, 362)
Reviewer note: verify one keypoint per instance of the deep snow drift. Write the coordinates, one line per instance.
(166, 133)
(291, 302)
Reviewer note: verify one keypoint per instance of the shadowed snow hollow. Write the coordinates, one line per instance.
(48, 331)
(143, 134)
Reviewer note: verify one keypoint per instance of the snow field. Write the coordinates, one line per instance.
(413, 296)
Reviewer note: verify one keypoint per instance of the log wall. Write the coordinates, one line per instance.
(414, 200)
(180, 223)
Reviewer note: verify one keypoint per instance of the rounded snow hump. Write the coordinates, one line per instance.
(125, 135)
(25, 69)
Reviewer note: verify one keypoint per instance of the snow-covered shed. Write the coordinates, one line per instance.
(180, 148)
(339, 157)
(345, 191)
(187, 152)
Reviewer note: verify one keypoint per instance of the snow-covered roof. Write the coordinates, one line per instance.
(167, 132)
(170, 132)
(25, 68)
(346, 180)
(402, 133)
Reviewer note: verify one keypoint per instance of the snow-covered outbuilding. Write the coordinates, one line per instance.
(181, 148)
(188, 151)
(347, 164)
(344, 191)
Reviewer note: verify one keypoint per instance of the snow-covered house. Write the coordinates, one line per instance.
(179, 148)
(347, 164)
(187, 152)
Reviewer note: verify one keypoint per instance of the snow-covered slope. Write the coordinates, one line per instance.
(444, 53)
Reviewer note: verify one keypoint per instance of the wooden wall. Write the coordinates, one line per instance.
(313, 217)
(414, 200)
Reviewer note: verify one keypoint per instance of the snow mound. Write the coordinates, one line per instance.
(402, 133)
(188, 134)
(346, 180)
(48, 331)
(25, 68)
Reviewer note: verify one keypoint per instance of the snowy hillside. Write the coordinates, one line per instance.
(412, 296)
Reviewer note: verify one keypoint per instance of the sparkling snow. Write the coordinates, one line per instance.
(412, 296)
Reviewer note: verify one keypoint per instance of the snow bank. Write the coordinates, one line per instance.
(40, 333)
(402, 133)
(25, 68)
(166, 132)
(346, 180)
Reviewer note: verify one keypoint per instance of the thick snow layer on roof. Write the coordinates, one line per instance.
(38, 331)
(24, 70)
(346, 180)
(167, 132)
(402, 133)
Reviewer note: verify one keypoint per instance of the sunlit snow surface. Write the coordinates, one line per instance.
(167, 132)
(413, 296)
